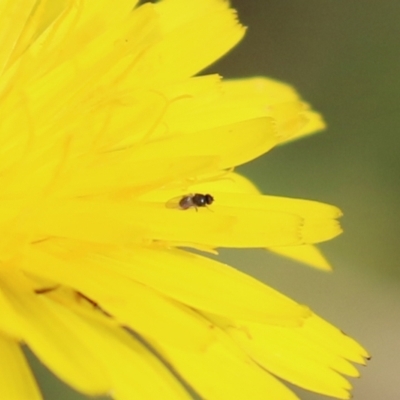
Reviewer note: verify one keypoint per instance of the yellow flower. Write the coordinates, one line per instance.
(102, 126)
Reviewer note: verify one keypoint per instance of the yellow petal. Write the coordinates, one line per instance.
(232, 221)
(79, 74)
(306, 254)
(201, 103)
(185, 41)
(335, 340)
(235, 183)
(206, 285)
(295, 357)
(16, 379)
(314, 124)
(225, 182)
(235, 144)
(41, 17)
(289, 118)
(157, 316)
(55, 337)
(143, 175)
(222, 371)
(266, 91)
(9, 326)
(14, 18)
(76, 27)
(136, 373)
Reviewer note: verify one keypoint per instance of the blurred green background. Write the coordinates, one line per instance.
(342, 56)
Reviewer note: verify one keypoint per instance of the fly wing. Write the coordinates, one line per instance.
(174, 202)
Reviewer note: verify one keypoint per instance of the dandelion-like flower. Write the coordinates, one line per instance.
(102, 124)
